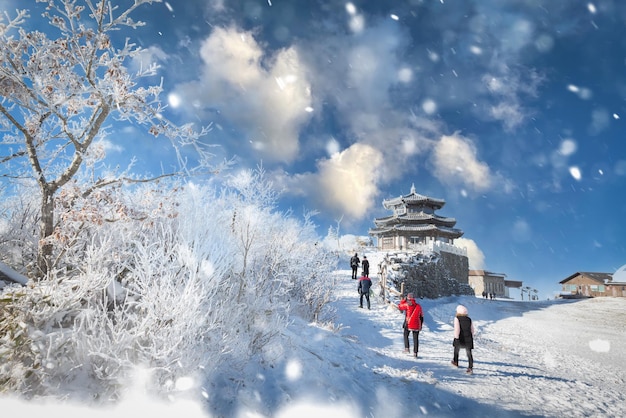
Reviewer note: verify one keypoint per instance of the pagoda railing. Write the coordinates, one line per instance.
(438, 246)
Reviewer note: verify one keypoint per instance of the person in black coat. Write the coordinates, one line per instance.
(366, 266)
(365, 283)
(463, 337)
(354, 265)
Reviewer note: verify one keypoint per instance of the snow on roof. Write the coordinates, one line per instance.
(414, 197)
(620, 275)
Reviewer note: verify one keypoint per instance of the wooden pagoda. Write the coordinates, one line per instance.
(414, 224)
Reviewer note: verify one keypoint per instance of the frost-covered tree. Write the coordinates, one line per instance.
(59, 89)
(178, 278)
(282, 262)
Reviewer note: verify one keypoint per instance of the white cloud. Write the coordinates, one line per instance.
(506, 88)
(509, 113)
(107, 145)
(268, 97)
(348, 180)
(332, 146)
(517, 36)
(345, 185)
(475, 256)
(148, 57)
(521, 231)
(217, 5)
(455, 161)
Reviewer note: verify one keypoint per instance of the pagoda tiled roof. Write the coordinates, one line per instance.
(450, 232)
(414, 198)
(413, 217)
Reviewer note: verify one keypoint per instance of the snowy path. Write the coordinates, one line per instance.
(531, 358)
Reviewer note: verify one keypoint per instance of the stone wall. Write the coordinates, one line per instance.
(430, 275)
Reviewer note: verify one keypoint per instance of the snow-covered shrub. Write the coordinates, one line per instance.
(19, 212)
(283, 261)
(176, 279)
(16, 356)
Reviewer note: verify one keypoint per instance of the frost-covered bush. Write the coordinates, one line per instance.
(176, 279)
(282, 260)
(19, 212)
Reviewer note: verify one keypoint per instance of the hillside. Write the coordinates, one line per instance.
(540, 359)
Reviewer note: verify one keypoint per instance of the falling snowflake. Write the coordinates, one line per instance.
(575, 172)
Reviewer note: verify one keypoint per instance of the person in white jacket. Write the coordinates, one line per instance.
(463, 337)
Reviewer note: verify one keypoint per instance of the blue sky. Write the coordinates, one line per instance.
(510, 110)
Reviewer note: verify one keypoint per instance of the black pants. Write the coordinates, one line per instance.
(367, 297)
(468, 351)
(416, 339)
(354, 269)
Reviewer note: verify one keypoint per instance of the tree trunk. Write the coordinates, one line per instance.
(46, 228)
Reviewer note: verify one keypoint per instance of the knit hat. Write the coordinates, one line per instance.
(461, 310)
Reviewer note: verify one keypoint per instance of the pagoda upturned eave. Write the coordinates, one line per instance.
(413, 198)
(446, 232)
(415, 218)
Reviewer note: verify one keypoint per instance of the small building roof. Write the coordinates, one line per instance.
(601, 278)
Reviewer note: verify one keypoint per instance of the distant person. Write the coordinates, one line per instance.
(365, 283)
(366, 266)
(463, 337)
(484, 294)
(413, 321)
(354, 264)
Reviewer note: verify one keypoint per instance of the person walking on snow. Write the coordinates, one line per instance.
(463, 337)
(354, 264)
(364, 290)
(366, 266)
(413, 321)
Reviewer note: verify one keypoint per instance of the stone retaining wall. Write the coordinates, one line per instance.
(431, 275)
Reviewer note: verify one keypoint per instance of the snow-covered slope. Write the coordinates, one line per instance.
(548, 358)
(541, 359)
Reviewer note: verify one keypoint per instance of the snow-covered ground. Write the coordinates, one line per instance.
(543, 359)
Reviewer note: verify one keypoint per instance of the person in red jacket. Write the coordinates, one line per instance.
(413, 320)
(365, 283)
